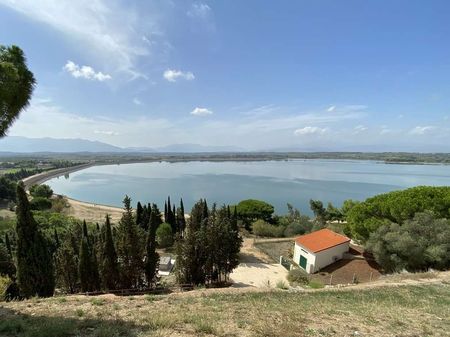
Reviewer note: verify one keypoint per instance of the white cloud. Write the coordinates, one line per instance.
(331, 108)
(310, 130)
(86, 72)
(201, 112)
(360, 128)
(422, 130)
(137, 101)
(173, 75)
(106, 132)
(104, 30)
(200, 10)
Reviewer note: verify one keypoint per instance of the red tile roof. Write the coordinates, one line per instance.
(321, 240)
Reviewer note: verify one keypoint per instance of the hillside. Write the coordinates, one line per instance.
(417, 308)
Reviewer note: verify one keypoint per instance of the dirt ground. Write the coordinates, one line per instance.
(260, 275)
(256, 269)
(92, 212)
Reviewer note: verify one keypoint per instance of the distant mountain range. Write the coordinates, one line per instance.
(17, 144)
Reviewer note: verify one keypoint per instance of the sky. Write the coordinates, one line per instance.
(256, 75)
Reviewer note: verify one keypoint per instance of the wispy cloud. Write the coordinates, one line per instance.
(86, 72)
(422, 130)
(106, 132)
(310, 130)
(103, 30)
(331, 108)
(360, 129)
(200, 10)
(201, 112)
(137, 101)
(172, 75)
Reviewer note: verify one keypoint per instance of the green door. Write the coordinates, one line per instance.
(303, 261)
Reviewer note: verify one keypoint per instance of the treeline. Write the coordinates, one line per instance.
(258, 217)
(80, 257)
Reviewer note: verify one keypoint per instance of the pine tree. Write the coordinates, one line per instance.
(35, 270)
(152, 257)
(109, 266)
(129, 248)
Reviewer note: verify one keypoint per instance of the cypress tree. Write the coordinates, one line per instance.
(139, 214)
(109, 266)
(88, 267)
(181, 219)
(67, 265)
(8, 244)
(129, 248)
(35, 270)
(165, 211)
(152, 258)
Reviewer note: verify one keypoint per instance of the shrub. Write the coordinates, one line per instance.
(262, 228)
(297, 276)
(164, 235)
(40, 204)
(418, 244)
(315, 284)
(298, 228)
(41, 191)
(4, 283)
(282, 285)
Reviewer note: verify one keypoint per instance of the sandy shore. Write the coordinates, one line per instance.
(92, 212)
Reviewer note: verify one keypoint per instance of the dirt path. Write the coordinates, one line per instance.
(250, 254)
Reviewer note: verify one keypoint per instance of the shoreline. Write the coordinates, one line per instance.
(89, 211)
(42, 177)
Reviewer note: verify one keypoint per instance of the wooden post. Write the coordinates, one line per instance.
(371, 273)
(331, 279)
(354, 278)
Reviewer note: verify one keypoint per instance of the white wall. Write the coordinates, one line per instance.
(319, 260)
(329, 256)
(310, 257)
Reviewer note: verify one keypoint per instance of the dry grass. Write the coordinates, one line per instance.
(410, 310)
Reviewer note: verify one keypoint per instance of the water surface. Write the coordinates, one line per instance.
(277, 182)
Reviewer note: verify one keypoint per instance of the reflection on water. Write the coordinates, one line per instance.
(277, 182)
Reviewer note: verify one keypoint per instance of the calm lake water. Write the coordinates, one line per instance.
(277, 182)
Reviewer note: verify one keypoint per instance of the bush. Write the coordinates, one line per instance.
(262, 228)
(164, 235)
(251, 210)
(40, 204)
(417, 245)
(297, 228)
(4, 283)
(297, 276)
(315, 284)
(41, 191)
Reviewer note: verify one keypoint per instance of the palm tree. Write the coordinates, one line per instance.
(16, 85)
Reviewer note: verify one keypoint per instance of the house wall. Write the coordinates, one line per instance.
(330, 255)
(310, 257)
(319, 260)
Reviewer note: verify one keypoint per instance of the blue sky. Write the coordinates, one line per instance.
(307, 75)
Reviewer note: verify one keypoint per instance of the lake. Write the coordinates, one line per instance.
(277, 182)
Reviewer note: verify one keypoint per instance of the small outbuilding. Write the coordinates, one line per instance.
(319, 249)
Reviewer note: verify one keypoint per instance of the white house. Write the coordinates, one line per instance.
(319, 249)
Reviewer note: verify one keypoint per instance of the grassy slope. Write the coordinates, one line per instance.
(410, 310)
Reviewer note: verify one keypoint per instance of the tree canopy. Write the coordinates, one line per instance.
(398, 206)
(16, 85)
